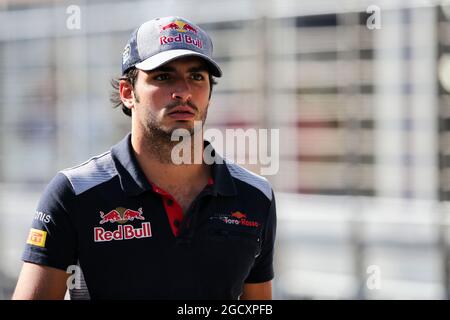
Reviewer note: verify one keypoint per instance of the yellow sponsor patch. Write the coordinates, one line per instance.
(37, 237)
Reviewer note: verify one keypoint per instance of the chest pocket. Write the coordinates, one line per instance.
(241, 237)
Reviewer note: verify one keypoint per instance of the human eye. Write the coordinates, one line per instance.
(197, 76)
(161, 77)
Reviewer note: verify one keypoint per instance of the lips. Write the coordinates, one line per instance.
(182, 109)
(182, 113)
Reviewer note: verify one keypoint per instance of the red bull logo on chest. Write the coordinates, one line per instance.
(122, 215)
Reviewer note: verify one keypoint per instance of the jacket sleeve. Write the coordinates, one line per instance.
(52, 238)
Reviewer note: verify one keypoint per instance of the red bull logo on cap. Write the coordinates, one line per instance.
(171, 26)
(188, 27)
(181, 27)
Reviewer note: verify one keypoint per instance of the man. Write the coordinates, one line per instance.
(131, 223)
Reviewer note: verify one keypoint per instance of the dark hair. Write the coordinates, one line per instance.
(131, 77)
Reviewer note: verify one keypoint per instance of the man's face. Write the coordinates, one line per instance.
(172, 96)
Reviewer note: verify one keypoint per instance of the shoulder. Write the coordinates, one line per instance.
(250, 180)
(90, 173)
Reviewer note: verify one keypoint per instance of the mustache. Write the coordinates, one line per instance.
(175, 104)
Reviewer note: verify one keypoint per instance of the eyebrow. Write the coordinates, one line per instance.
(199, 68)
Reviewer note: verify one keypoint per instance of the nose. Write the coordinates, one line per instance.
(182, 92)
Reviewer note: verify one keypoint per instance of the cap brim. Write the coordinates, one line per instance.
(166, 56)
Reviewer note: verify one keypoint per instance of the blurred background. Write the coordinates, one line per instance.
(358, 89)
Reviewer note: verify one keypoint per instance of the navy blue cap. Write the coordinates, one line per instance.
(162, 40)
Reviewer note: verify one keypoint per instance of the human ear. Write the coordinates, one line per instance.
(126, 93)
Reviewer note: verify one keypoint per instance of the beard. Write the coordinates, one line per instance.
(158, 136)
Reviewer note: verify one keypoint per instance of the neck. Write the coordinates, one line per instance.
(159, 158)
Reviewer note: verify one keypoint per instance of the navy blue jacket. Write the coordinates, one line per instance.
(128, 239)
